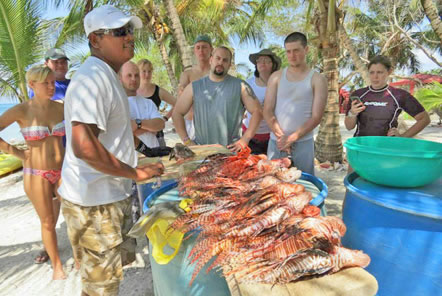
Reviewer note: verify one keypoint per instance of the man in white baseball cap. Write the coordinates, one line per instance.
(100, 158)
(108, 17)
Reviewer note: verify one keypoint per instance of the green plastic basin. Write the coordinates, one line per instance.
(395, 161)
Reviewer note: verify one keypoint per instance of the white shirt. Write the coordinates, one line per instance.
(96, 96)
(260, 92)
(142, 108)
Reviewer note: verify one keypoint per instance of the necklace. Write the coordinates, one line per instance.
(262, 81)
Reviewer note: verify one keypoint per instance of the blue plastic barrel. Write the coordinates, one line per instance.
(145, 190)
(401, 230)
(173, 279)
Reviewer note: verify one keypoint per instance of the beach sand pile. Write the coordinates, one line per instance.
(20, 238)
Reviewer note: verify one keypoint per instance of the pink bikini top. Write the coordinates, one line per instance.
(35, 132)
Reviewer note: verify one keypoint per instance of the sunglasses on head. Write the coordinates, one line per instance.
(119, 32)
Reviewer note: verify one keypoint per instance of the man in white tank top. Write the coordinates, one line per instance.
(293, 106)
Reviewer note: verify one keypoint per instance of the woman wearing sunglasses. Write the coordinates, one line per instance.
(42, 126)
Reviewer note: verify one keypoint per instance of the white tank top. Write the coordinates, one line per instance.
(260, 92)
(294, 101)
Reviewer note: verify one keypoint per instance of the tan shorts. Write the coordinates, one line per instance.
(98, 238)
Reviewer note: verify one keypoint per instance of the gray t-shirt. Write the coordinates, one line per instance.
(218, 110)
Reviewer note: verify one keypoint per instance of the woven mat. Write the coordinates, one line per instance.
(174, 170)
(354, 281)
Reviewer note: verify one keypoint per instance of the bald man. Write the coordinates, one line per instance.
(146, 120)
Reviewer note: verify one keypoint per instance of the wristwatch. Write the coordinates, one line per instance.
(138, 122)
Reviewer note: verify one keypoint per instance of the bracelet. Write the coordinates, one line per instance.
(187, 142)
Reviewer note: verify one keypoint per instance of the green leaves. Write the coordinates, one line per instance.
(20, 45)
(430, 96)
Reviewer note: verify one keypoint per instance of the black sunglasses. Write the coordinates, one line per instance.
(119, 32)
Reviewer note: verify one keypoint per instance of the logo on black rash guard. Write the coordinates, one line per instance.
(377, 104)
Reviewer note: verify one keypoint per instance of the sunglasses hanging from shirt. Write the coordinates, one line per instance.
(153, 152)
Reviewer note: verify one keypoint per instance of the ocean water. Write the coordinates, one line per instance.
(11, 134)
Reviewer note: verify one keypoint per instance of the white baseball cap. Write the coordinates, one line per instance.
(108, 17)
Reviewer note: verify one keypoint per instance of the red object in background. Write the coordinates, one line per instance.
(424, 78)
(344, 97)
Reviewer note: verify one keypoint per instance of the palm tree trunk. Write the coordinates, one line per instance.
(88, 6)
(169, 69)
(359, 64)
(432, 14)
(328, 144)
(149, 16)
(178, 34)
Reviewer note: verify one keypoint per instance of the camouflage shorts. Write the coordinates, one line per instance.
(98, 238)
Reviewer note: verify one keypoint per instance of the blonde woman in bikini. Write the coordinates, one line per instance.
(41, 123)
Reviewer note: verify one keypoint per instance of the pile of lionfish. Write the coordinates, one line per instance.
(248, 212)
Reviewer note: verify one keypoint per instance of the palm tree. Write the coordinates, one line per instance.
(178, 34)
(328, 143)
(155, 24)
(20, 44)
(71, 27)
(348, 44)
(221, 19)
(431, 12)
(386, 28)
(390, 29)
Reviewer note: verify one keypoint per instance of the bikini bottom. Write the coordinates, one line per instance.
(51, 175)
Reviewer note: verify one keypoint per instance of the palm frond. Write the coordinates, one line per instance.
(47, 4)
(259, 12)
(430, 96)
(7, 88)
(310, 6)
(72, 25)
(20, 44)
(77, 58)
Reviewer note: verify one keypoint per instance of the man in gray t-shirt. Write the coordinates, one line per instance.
(219, 101)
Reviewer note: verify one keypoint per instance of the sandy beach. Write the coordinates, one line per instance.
(21, 239)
